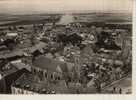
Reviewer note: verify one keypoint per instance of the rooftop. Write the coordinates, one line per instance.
(7, 70)
(21, 65)
(50, 64)
(28, 82)
(38, 46)
(12, 54)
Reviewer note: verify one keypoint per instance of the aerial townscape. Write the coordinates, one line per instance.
(70, 53)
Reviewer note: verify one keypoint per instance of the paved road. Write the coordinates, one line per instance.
(125, 84)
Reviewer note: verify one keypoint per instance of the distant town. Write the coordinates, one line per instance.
(65, 54)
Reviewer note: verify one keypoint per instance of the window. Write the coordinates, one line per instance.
(34, 70)
(55, 78)
(58, 77)
(45, 74)
(51, 76)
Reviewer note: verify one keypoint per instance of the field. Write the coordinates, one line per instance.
(8, 20)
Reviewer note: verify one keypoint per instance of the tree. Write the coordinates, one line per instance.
(105, 40)
(33, 39)
(10, 43)
(74, 39)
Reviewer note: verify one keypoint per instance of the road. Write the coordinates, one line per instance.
(125, 84)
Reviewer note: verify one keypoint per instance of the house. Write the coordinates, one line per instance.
(3, 48)
(20, 65)
(36, 48)
(12, 34)
(39, 46)
(49, 69)
(28, 84)
(10, 77)
(9, 72)
(12, 55)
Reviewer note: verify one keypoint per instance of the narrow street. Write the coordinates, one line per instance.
(123, 84)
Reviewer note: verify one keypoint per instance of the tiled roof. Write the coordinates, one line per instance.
(12, 54)
(20, 65)
(38, 46)
(50, 64)
(8, 71)
(28, 82)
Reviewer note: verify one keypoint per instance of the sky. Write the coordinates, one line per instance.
(43, 6)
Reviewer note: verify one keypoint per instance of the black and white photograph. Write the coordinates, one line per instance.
(55, 47)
